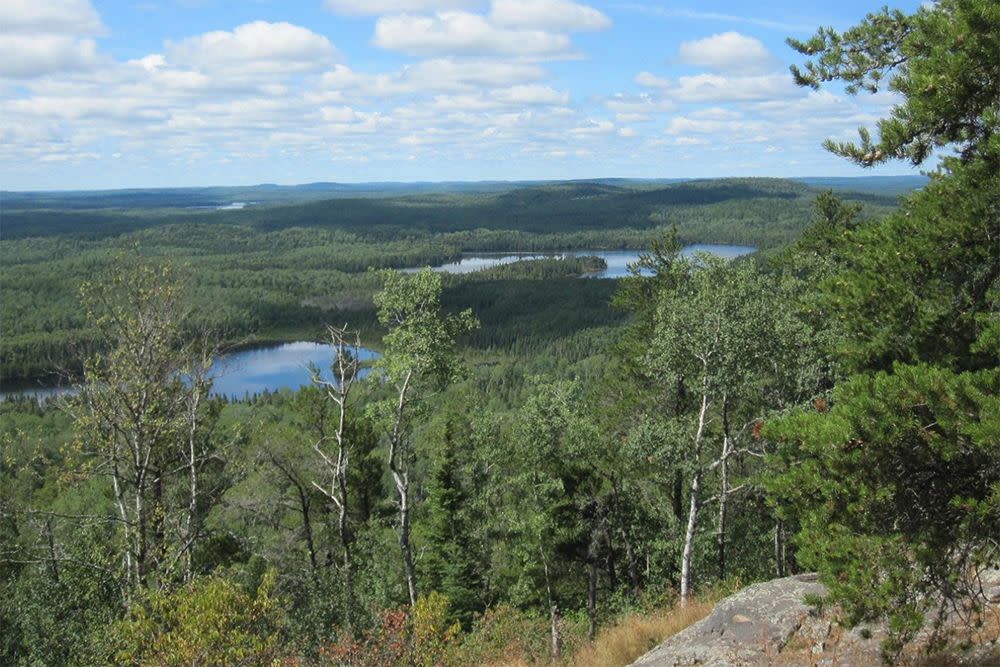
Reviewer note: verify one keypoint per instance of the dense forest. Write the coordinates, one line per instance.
(282, 272)
(533, 459)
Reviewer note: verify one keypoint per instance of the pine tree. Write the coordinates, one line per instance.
(896, 484)
(450, 558)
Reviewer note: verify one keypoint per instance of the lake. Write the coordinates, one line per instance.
(274, 367)
(242, 373)
(617, 260)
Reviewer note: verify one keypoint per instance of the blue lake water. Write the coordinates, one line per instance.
(274, 367)
(242, 373)
(617, 260)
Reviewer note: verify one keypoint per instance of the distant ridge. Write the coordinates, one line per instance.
(272, 193)
(715, 207)
(883, 185)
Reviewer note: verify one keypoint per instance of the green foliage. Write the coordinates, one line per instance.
(544, 459)
(832, 222)
(211, 621)
(916, 286)
(451, 561)
(942, 60)
(507, 635)
(420, 342)
(545, 488)
(435, 636)
(53, 611)
(897, 489)
(720, 330)
(144, 417)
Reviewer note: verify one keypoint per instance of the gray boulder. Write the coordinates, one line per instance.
(744, 629)
(770, 624)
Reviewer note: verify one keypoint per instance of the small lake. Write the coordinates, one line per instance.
(617, 260)
(242, 373)
(274, 367)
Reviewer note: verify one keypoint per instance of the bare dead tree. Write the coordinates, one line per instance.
(346, 365)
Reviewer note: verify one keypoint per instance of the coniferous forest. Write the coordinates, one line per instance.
(531, 458)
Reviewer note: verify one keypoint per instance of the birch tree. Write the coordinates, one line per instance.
(333, 445)
(419, 359)
(141, 414)
(715, 338)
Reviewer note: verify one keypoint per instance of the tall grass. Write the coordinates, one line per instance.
(635, 634)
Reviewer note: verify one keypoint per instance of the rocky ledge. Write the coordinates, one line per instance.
(770, 624)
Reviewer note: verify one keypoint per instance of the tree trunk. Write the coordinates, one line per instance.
(631, 565)
(689, 536)
(194, 401)
(404, 538)
(723, 487)
(398, 466)
(592, 602)
(53, 561)
(695, 504)
(556, 635)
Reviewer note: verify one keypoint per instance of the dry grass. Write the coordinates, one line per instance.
(636, 634)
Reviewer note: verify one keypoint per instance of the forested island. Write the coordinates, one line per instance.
(517, 465)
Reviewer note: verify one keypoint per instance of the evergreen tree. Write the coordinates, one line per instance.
(896, 485)
(450, 559)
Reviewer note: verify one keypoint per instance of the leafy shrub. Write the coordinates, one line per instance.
(211, 621)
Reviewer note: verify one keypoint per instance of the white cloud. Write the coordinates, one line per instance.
(276, 97)
(716, 113)
(532, 94)
(472, 72)
(715, 88)
(28, 56)
(381, 7)
(558, 15)
(75, 17)
(431, 76)
(667, 13)
(683, 125)
(690, 141)
(117, 108)
(630, 109)
(728, 52)
(628, 117)
(43, 37)
(718, 88)
(452, 33)
(338, 114)
(592, 128)
(254, 48)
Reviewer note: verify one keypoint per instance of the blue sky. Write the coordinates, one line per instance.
(211, 92)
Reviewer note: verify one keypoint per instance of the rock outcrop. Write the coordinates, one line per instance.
(771, 624)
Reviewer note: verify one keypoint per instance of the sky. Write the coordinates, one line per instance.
(167, 93)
